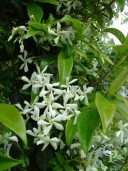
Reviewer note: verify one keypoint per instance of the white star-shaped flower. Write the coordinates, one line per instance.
(25, 60)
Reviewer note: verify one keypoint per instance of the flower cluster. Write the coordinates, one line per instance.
(20, 31)
(53, 105)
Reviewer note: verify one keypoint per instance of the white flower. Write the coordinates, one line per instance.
(36, 133)
(25, 60)
(76, 92)
(71, 107)
(13, 138)
(5, 137)
(121, 134)
(21, 48)
(67, 94)
(68, 83)
(51, 121)
(35, 114)
(29, 106)
(29, 82)
(42, 73)
(66, 36)
(46, 140)
(66, 115)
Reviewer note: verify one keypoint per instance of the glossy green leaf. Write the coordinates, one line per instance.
(122, 108)
(36, 11)
(119, 81)
(120, 36)
(121, 4)
(106, 110)
(8, 162)
(11, 118)
(70, 131)
(54, 2)
(87, 123)
(65, 64)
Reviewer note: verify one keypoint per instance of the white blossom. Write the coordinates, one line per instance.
(66, 36)
(25, 61)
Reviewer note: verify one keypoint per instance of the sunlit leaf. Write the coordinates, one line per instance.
(106, 110)
(11, 118)
(87, 123)
(121, 49)
(122, 108)
(120, 36)
(119, 81)
(36, 11)
(8, 162)
(122, 98)
(65, 64)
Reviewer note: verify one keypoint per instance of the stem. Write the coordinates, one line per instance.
(102, 77)
(103, 9)
(125, 162)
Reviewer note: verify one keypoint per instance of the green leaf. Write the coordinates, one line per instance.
(31, 32)
(11, 118)
(68, 168)
(35, 28)
(121, 49)
(54, 2)
(122, 98)
(36, 11)
(120, 36)
(8, 162)
(77, 25)
(87, 123)
(106, 110)
(60, 159)
(119, 81)
(65, 64)
(122, 108)
(121, 4)
(46, 61)
(70, 131)
(38, 26)
(57, 168)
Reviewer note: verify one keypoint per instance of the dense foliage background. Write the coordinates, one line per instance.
(89, 72)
